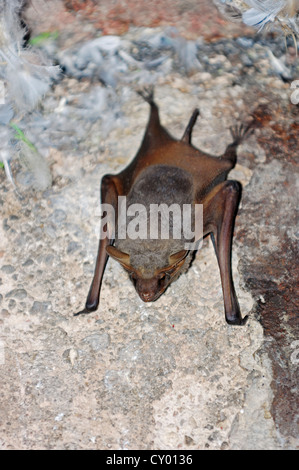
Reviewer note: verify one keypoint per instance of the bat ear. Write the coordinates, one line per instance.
(177, 257)
(176, 261)
(122, 258)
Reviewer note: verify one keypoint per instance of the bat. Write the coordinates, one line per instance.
(167, 172)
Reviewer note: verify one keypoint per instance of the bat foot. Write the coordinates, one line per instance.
(241, 133)
(147, 93)
(237, 321)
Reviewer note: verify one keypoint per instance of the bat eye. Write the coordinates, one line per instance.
(164, 277)
(133, 277)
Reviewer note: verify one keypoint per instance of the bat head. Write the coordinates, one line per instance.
(150, 285)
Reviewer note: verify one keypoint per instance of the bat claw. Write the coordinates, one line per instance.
(237, 321)
(188, 131)
(79, 313)
(83, 312)
(240, 133)
(147, 93)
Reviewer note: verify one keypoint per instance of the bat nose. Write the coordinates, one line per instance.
(147, 289)
(146, 297)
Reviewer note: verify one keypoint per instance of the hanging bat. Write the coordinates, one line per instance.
(170, 171)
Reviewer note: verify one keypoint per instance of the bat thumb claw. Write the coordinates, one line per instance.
(82, 312)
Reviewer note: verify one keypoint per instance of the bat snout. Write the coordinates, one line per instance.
(148, 289)
(147, 296)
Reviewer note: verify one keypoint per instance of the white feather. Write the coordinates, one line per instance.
(279, 67)
(5, 151)
(262, 12)
(232, 12)
(5, 157)
(27, 77)
(37, 165)
(27, 83)
(259, 13)
(11, 31)
(27, 74)
(254, 17)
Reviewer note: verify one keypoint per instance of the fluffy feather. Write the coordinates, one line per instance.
(11, 32)
(40, 175)
(231, 12)
(28, 82)
(261, 13)
(27, 76)
(6, 134)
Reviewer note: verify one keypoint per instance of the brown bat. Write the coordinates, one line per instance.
(170, 171)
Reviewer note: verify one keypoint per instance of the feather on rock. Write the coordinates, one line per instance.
(261, 13)
(27, 77)
(27, 74)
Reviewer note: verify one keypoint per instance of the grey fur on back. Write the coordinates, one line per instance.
(158, 185)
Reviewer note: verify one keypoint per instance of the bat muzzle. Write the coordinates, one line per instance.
(148, 289)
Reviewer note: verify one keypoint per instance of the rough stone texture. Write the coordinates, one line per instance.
(271, 268)
(193, 17)
(171, 374)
